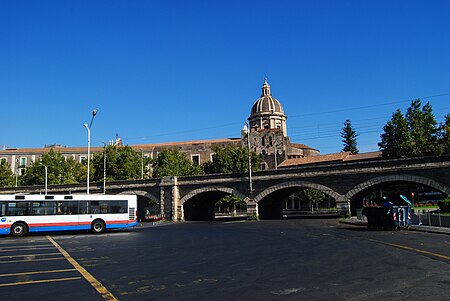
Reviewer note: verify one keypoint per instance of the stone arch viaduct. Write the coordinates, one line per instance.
(193, 197)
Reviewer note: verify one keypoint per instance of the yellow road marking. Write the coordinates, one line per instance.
(25, 248)
(42, 254)
(107, 295)
(39, 281)
(33, 260)
(20, 243)
(413, 249)
(38, 272)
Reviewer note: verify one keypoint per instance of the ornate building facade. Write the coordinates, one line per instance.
(268, 132)
(266, 129)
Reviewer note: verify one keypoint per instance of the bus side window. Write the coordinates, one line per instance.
(70, 207)
(2, 209)
(118, 207)
(18, 208)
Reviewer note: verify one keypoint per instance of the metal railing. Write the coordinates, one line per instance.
(435, 218)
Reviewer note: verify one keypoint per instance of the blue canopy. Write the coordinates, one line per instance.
(406, 200)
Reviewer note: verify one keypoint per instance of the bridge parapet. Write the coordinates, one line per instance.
(341, 180)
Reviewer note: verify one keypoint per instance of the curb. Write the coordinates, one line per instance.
(421, 228)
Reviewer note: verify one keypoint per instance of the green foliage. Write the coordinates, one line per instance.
(230, 202)
(6, 175)
(231, 159)
(423, 130)
(444, 137)
(444, 205)
(60, 170)
(252, 217)
(174, 163)
(395, 141)
(349, 135)
(122, 163)
(314, 196)
(413, 135)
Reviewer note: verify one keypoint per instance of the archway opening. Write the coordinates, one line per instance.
(418, 194)
(230, 206)
(296, 202)
(213, 205)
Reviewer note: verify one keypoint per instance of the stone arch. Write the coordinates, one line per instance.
(211, 189)
(391, 178)
(303, 184)
(141, 193)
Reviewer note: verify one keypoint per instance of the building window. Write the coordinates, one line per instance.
(195, 159)
(263, 166)
(23, 162)
(211, 156)
(83, 159)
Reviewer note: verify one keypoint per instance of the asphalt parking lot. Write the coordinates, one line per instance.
(265, 260)
(33, 267)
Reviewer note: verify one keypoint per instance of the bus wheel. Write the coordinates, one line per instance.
(19, 229)
(98, 226)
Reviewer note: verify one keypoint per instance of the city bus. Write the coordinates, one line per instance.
(21, 214)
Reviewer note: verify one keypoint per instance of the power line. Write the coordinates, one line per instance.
(370, 106)
(304, 129)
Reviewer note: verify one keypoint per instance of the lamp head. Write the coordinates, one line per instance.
(94, 112)
(85, 125)
(245, 128)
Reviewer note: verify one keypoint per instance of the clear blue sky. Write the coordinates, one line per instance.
(163, 71)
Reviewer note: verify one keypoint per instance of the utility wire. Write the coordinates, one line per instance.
(303, 129)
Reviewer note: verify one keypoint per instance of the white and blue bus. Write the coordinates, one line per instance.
(20, 214)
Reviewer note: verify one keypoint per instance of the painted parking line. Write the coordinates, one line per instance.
(107, 295)
(39, 281)
(38, 272)
(27, 255)
(412, 249)
(20, 248)
(32, 260)
(22, 252)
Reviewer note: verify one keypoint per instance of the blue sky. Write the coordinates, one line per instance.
(163, 71)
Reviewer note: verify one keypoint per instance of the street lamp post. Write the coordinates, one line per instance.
(88, 127)
(46, 176)
(275, 145)
(142, 164)
(246, 131)
(104, 168)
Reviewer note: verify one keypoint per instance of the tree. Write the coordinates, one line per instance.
(6, 175)
(59, 170)
(314, 196)
(348, 135)
(423, 129)
(230, 202)
(122, 163)
(395, 141)
(414, 135)
(231, 159)
(444, 135)
(174, 163)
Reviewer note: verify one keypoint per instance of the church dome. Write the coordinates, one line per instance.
(266, 104)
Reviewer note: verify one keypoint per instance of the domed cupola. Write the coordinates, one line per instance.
(267, 112)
